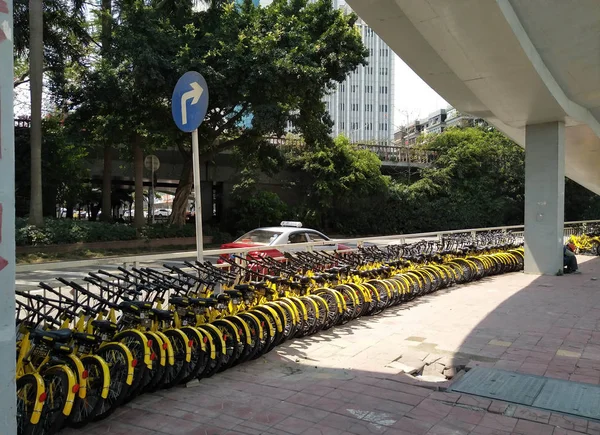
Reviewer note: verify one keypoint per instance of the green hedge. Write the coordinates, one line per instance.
(64, 231)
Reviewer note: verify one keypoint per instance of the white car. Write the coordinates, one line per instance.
(287, 234)
(162, 212)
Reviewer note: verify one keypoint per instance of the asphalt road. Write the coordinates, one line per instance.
(29, 280)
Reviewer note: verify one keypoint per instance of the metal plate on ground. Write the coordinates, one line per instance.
(556, 395)
(500, 385)
(570, 397)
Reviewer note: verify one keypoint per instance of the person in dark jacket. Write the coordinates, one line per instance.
(569, 259)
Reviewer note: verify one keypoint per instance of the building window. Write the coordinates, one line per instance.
(354, 88)
(383, 108)
(342, 125)
(342, 106)
(383, 89)
(342, 87)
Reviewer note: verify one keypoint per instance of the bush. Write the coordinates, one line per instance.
(65, 231)
(165, 231)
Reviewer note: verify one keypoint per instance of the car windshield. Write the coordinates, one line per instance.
(262, 237)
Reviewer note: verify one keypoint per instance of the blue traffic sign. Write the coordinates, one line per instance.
(190, 101)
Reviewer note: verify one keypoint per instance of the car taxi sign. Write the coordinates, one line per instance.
(291, 224)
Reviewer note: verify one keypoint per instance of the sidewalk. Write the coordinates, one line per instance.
(350, 380)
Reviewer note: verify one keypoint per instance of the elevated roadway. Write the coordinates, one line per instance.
(529, 67)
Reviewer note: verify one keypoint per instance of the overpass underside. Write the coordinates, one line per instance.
(529, 67)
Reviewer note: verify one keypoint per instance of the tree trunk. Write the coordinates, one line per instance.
(138, 164)
(182, 194)
(107, 185)
(36, 65)
(105, 37)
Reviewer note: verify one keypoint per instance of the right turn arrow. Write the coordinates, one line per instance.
(194, 95)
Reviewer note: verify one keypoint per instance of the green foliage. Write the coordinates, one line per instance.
(256, 208)
(335, 176)
(63, 231)
(65, 179)
(162, 231)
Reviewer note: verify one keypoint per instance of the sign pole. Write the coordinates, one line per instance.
(197, 197)
(8, 402)
(151, 196)
(189, 105)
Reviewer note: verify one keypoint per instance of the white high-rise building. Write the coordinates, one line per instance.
(361, 108)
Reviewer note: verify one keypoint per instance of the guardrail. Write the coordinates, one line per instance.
(401, 154)
(570, 228)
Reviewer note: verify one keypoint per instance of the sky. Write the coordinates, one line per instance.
(413, 98)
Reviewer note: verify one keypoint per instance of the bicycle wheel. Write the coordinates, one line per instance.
(255, 334)
(181, 347)
(137, 345)
(334, 308)
(233, 347)
(60, 384)
(245, 346)
(97, 375)
(274, 320)
(266, 333)
(121, 371)
(30, 401)
(308, 317)
(214, 345)
(199, 356)
(158, 357)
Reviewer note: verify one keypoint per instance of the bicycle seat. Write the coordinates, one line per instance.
(60, 335)
(135, 306)
(179, 301)
(223, 297)
(234, 293)
(209, 302)
(104, 325)
(162, 314)
(241, 287)
(318, 278)
(83, 337)
(257, 284)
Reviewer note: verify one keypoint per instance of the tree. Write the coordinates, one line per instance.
(477, 180)
(60, 24)
(273, 63)
(36, 62)
(335, 178)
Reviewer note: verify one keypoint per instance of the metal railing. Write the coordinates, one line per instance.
(401, 154)
(575, 227)
(571, 228)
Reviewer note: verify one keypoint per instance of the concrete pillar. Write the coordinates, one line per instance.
(8, 411)
(544, 197)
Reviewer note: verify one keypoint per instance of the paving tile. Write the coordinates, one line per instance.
(445, 397)
(499, 422)
(294, 425)
(569, 422)
(497, 407)
(413, 426)
(478, 402)
(526, 427)
(532, 414)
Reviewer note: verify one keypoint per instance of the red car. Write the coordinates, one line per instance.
(286, 234)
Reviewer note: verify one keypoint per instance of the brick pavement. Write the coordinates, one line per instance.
(347, 380)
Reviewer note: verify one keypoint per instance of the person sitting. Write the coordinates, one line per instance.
(569, 259)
